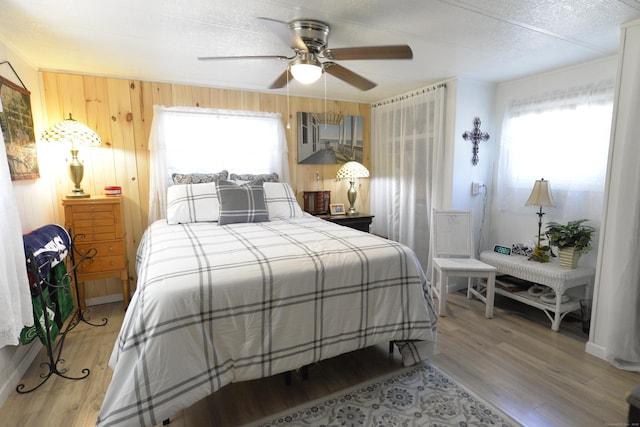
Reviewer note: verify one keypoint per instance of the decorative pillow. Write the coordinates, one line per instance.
(243, 178)
(281, 201)
(192, 203)
(198, 178)
(241, 203)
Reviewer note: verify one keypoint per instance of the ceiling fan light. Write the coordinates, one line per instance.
(306, 69)
(306, 73)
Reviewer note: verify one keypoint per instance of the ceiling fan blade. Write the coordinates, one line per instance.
(282, 30)
(281, 81)
(402, 51)
(215, 58)
(348, 76)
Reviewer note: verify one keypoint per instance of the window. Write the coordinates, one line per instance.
(562, 137)
(564, 146)
(203, 140)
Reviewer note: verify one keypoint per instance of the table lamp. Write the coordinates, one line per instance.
(75, 133)
(540, 196)
(351, 171)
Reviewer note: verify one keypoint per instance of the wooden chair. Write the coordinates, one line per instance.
(453, 255)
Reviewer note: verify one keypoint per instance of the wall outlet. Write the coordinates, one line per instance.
(477, 188)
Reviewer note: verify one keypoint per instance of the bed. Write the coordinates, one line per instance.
(219, 303)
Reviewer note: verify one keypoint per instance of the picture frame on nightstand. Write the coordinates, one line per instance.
(336, 209)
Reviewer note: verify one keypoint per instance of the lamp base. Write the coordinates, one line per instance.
(351, 196)
(78, 195)
(76, 172)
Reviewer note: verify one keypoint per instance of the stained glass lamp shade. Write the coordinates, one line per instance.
(75, 134)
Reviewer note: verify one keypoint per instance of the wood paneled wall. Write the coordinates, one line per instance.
(121, 112)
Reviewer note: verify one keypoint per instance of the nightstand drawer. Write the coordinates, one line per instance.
(92, 207)
(361, 221)
(115, 247)
(89, 234)
(99, 264)
(93, 215)
(95, 222)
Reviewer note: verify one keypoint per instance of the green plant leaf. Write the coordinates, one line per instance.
(573, 234)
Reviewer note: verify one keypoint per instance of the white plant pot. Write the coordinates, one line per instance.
(568, 258)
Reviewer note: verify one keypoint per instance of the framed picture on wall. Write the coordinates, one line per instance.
(16, 122)
(329, 138)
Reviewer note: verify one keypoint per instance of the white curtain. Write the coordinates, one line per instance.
(618, 306)
(15, 298)
(410, 163)
(562, 137)
(204, 140)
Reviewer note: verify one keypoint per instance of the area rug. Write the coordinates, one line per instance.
(417, 396)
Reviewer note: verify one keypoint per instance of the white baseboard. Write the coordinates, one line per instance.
(104, 299)
(452, 286)
(595, 350)
(9, 383)
(455, 287)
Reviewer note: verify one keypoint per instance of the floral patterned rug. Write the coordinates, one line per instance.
(418, 396)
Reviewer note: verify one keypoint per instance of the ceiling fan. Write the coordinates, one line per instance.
(312, 56)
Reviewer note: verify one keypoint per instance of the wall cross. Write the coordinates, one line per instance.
(475, 136)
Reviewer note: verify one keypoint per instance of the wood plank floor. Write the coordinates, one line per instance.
(515, 361)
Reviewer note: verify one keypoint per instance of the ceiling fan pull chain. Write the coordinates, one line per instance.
(325, 99)
(288, 113)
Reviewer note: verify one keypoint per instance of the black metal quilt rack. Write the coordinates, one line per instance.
(54, 345)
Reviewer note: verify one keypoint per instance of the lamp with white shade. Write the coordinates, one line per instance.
(352, 170)
(540, 196)
(74, 133)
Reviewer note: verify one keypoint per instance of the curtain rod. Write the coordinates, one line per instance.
(409, 95)
(217, 111)
(592, 91)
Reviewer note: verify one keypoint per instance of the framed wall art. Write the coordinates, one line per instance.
(329, 138)
(16, 122)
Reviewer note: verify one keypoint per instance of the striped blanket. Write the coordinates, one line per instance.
(220, 304)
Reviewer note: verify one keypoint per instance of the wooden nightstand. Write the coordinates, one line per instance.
(361, 221)
(97, 222)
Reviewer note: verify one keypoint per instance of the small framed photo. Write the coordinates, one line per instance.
(336, 209)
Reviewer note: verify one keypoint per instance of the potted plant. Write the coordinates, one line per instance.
(572, 240)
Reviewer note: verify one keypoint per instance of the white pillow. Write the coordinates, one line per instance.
(281, 201)
(192, 203)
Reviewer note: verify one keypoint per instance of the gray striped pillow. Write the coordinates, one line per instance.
(241, 203)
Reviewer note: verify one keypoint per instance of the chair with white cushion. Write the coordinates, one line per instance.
(453, 255)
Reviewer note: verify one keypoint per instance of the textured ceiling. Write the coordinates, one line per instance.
(160, 40)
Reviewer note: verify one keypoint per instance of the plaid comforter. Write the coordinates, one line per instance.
(221, 304)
